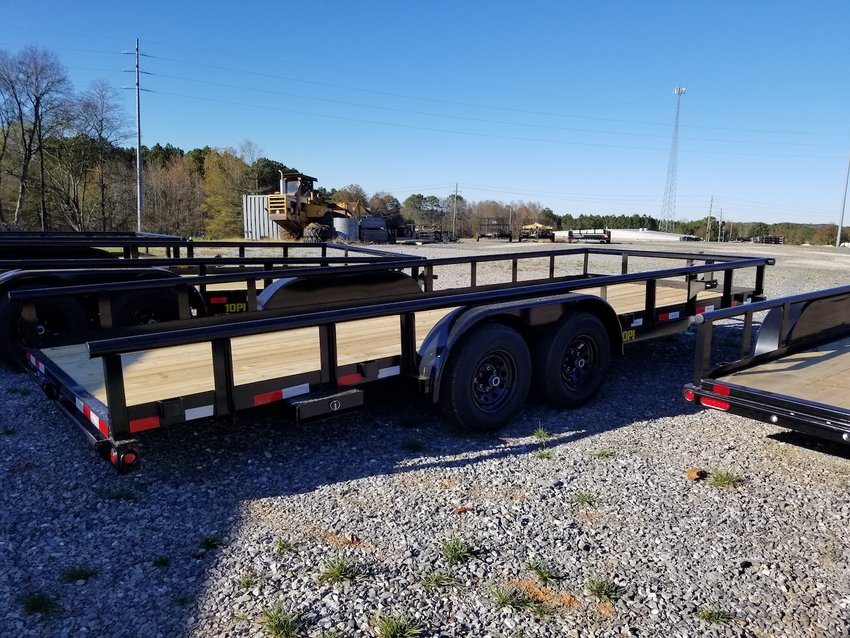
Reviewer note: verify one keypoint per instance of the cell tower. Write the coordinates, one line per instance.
(668, 208)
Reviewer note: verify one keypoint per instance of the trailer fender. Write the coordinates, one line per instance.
(300, 292)
(528, 317)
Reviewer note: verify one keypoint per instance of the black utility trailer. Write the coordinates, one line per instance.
(794, 371)
(37, 261)
(473, 333)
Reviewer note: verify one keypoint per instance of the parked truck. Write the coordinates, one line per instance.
(791, 370)
(314, 335)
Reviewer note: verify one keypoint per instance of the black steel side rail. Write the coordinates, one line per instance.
(271, 321)
(705, 328)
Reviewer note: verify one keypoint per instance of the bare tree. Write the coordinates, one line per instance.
(35, 84)
(105, 124)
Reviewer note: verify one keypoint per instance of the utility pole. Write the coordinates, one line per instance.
(720, 227)
(668, 208)
(708, 221)
(139, 199)
(843, 204)
(454, 214)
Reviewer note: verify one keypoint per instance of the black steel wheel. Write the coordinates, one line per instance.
(571, 360)
(54, 317)
(135, 308)
(487, 378)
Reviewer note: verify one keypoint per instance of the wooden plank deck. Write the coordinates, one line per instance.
(183, 370)
(821, 375)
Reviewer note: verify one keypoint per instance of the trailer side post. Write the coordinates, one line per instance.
(407, 328)
(222, 360)
(703, 350)
(116, 398)
(726, 297)
(328, 354)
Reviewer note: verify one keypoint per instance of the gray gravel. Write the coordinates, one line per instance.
(605, 498)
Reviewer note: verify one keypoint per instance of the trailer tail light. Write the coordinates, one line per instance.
(717, 404)
(690, 396)
(722, 390)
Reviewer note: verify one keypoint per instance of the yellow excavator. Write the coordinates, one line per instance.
(303, 213)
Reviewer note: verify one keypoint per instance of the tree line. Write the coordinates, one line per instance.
(64, 164)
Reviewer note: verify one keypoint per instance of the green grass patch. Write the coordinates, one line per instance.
(603, 453)
(396, 627)
(508, 597)
(279, 623)
(603, 589)
(545, 455)
(78, 573)
(122, 495)
(162, 562)
(714, 616)
(583, 498)
(438, 578)
(542, 571)
(413, 445)
(283, 545)
(211, 542)
(724, 478)
(340, 568)
(39, 603)
(541, 434)
(456, 550)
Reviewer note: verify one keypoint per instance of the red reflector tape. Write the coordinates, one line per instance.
(717, 404)
(350, 379)
(268, 397)
(218, 299)
(148, 423)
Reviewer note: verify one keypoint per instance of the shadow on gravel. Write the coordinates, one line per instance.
(150, 536)
(815, 444)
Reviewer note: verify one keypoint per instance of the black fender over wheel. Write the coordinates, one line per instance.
(54, 316)
(487, 378)
(140, 307)
(571, 360)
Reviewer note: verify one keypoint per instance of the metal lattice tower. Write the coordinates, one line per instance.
(668, 208)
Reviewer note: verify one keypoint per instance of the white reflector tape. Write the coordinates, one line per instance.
(392, 371)
(637, 322)
(35, 363)
(673, 315)
(200, 413)
(296, 390)
(709, 308)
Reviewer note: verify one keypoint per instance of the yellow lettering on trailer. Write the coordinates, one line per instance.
(237, 307)
(628, 335)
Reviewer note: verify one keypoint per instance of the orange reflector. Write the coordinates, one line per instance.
(689, 395)
(721, 389)
(717, 404)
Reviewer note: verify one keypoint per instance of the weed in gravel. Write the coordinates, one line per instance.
(211, 542)
(541, 434)
(340, 568)
(282, 545)
(544, 454)
(280, 623)
(183, 601)
(583, 498)
(240, 616)
(507, 596)
(78, 573)
(9, 431)
(714, 616)
(544, 573)
(19, 390)
(247, 580)
(413, 445)
(438, 578)
(603, 589)
(39, 603)
(162, 562)
(122, 495)
(396, 627)
(724, 478)
(603, 453)
(329, 633)
(456, 550)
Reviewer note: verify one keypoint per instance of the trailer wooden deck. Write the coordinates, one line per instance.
(820, 375)
(183, 370)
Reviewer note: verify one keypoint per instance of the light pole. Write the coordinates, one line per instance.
(843, 204)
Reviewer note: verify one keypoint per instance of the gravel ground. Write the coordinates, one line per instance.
(225, 524)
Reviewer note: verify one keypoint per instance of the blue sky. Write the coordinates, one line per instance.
(567, 103)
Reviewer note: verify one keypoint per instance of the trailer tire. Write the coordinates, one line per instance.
(56, 316)
(571, 360)
(144, 307)
(487, 378)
